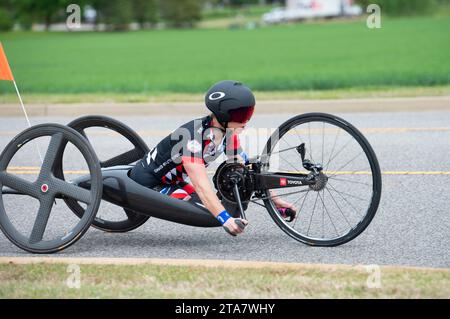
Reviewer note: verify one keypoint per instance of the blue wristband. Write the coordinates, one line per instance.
(223, 217)
(245, 157)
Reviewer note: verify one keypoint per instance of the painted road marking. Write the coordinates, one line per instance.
(254, 131)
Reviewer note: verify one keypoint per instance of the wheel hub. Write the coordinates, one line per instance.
(321, 182)
(44, 188)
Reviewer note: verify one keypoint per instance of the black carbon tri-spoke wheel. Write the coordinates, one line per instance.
(346, 194)
(129, 220)
(45, 189)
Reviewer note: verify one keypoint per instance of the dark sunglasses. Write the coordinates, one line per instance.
(242, 115)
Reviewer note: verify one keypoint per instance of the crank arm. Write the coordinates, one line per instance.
(238, 200)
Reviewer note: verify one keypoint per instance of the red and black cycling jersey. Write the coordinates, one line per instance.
(192, 142)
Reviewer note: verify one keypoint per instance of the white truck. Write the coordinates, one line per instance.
(297, 10)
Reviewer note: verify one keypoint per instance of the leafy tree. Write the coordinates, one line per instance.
(98, 6)
(145, 11)
(6, 20)
(238, 3)
(42, 10)
(118, 14)
(403, 7)
(181, 13)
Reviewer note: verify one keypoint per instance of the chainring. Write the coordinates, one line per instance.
(226, 176)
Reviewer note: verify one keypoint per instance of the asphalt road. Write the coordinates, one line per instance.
(411, 227)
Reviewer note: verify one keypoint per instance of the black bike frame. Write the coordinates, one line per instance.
(121, 190)
(265, 181)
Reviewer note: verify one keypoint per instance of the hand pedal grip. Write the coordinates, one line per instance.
(240, 223)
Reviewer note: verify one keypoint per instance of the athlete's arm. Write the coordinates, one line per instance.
(199, 178)
(234, 150)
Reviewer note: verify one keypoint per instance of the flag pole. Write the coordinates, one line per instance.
(26, 117)
(21, 103)
(6, 74)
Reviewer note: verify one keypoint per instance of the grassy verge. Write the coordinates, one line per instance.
(163, 97)
(157, 281)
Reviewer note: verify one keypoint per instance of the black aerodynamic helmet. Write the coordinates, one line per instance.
(230, 101)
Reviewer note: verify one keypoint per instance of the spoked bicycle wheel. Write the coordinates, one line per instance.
(345, 198)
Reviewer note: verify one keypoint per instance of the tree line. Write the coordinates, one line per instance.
(405, 7)
(116, 14)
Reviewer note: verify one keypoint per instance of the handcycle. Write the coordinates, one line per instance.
(320, 162)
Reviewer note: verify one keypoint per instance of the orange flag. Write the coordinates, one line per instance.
(5, 70)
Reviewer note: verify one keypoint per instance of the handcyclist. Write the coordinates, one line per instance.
(188, 150)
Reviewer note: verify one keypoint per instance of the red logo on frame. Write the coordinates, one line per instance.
(283, 182)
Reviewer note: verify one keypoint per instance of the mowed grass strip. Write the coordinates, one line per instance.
(404, 52)
(157, 281)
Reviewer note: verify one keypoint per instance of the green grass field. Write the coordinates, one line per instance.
(157, 281)
(336, 55)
